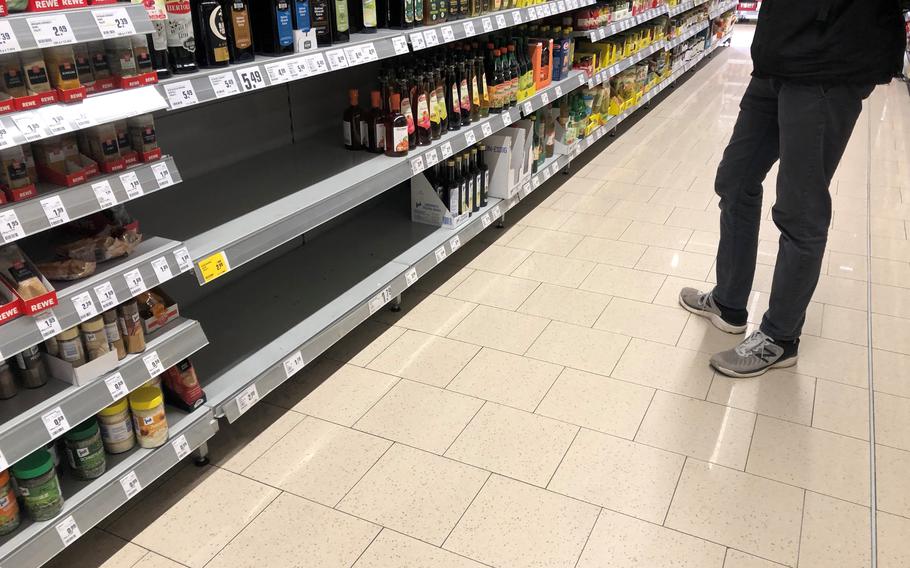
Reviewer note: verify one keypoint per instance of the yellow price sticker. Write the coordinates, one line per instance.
(214, 266)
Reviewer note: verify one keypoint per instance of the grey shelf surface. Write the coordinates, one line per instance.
(24, 332)
(620, 66)
(622, 25)
(684, 7)
(722, 8)
(81, 22)
(22, 428)
(691, 32)
(81, 200)
(90, 502)
(552, 92)
(302, 186)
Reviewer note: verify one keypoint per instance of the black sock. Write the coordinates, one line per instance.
(731, 316)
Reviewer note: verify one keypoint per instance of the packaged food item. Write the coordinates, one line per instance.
(94, 338)
(120, 56)
(151, 304)
(36, 78)
(98, 57)
(71, 349)
(15, 174)
(84, 450)
(142, 133)
(31, 368)
(153, 382)
(100, 143)
(20, 274)
(101, 248)
(13, 77)
(112, 330)
(50, 345)
(61, 66)
(131, 327)
(38, 485)
(123, 137)
(181, 387)
(67, 270)
(8, 389)
(9, 507)
(83, 63)
(142, 54)
(116, 425)
(149, 420)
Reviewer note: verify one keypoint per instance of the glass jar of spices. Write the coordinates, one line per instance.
(116, 424)
(84, 450)
(38, 485)
(149, 420)
(9, 507)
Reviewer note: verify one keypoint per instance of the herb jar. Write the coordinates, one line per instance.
(8, 388)
(84, 450)
(39, 486)
(112, 330)
(70, 345)
(149, 420)
(32, 370)
(94, 338)
(9, 507)
(131, 327)
(117, 427)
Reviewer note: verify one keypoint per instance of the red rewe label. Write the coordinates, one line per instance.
(177, 6)
(11, 312)
(46, 5)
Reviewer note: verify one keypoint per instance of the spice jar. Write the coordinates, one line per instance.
(131, 327)
(39, 486)
(112, 331)
(94, 338)
(117, 427)
(9, 507)
(84, 450)
(70, 345)
(149, 421)
(8, 387)
(31, 367)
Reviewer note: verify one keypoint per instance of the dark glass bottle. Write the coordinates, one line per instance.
(239, 30)
(321, 21)
(464, 94)
(157, 49)
(484, 174)
(375, 124)
(273, 32)
(340, 22)
(418, 12)
(469, 182)
(353, 116)
(211, 34)
(515, 73)
(451, 199)
(453, 101)
(181, 42)
(498, 85)
(424, 124)
(478, 185)
(396, 130)
(401, 14)
(441, 99)
(462, 186)
(481, 73)
(407, 109)
(473, 84)
(454, 11)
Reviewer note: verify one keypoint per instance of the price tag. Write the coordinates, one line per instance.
(114, 23)
(116, 386)
(48, 324)
(54, 120)
(506, 118)
(55, 422)
(526, 188)
(297, 67)
(214, 266)
(135, 282)
(80, 120)
(68, 530)
(446, 150)
(131, 184)
(487, 25)
(153, 363)
(431, 158)
(485, 220)
(431, 38)
(247, 398)
(455, 243)
(182, 256)
(501, 21)
(380, 300)
(106, 295)
(545, 98)
(468, 28)
(354, 55)
(487, 129)
(470, 137)
(601, 33)
(293, 364)
(369, 52)
(162, 269)
(316, 64)
(130, 484)
(558, 91)
(561, 6)
(535, 181)
(180, 94)
(496, 211)
(547, 9)
(448, 34)
(54, 210)
(6, 137)
(52, 29)
(417, 41)
(104, 194)
(224, 84)
(417, 165)
(162, 175)
(8, 41)
(516, 17)
(553, 169)
(410, 276)
(278, 72)
(400, 44)
(30, 125)
(84, 305)
(440, 254)
(532, 13)
(251, 78)
(181, 447)
(528, 108)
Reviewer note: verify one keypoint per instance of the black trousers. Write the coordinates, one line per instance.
(807, 128)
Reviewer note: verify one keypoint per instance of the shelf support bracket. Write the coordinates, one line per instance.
(395, 306)
(201, 455)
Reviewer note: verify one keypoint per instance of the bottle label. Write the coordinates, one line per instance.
(369, 13)
(180, 25)
(348, 140)
(364, 134)
(240, 21)
(418, 10)
(434, 107)
(441, 103)
(37, 75)
(469, 195)
(112, 332)
(341, 16)
(493, 93)
(218, 35)
(68, 71)
(409, 11)
(455, 98)
(380, 135)
(302, 15)
(453, 202)
(465, 96)
(476, 94)
(284, 30)
(400, 138)
(423, 112)
(159, 36)
(486, 91)
(116, 432)
(408, 114)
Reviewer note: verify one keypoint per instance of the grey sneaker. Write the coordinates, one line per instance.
(702, 304)
(755, 355)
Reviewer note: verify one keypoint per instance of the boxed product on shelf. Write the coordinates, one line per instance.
(59, 161)
(428, 208)
(10, 306)
(508, 155)
(20, 274)
(64, 75)
(16, 177)
(25, 81)
(82, 374)
(156, 309)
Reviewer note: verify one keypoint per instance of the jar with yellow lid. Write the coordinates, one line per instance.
(116, 425)
(149, 420)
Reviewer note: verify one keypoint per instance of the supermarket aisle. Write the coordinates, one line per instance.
(541, 400)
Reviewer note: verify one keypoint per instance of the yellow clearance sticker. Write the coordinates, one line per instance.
(214, 266)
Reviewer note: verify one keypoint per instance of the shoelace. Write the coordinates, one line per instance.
(755, 340)
(703, 301)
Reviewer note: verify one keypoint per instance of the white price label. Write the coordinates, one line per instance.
(182, 256)
(440, 254)
(558, 91)
(470, 137)
(54, 120)
(410, 277)
(162, 175)
(30, 124)
(417, 165)
(6, 137)
(501, 21)
(224, 84)
(181, 447)
(417, 41)
(526, 189)
(130, 484)
(247, 398)
(487, 25)
(468, 28)
(52, 29)
(354, 55)
(278, 72)
(528, 108)
(446, 150)
(79, 119)
(535, 181)
(131, 184)
(561, 6)
(448, 34)
(400, 44)
(532, 13)
(487, 129)
(316, 64)
(431, 39)
(116, 386)
(506, 118)
(68, 530)
(547, 10)
(298, 68)
(516, 17)
(54, 210)
(162, 269)
(8, 41)
(84, 305)
(135, 282)
(455, 243)
(431, 158)
(55, 422)
(48, 324)
(485, 220)
(114, 23)
(553, 169)
(369, 52)
(380, 300)
(545, 98)
(153, 364)
(251, 78)
(104, 193)
(180, 94)
(293, 364)
(496, 211)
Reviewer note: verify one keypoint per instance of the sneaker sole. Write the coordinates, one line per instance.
(779, 365)
(715, 319)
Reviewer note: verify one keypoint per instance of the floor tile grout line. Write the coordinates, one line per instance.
(563, 458)
(675, 489)
(245, 526)
(359, 479)
(588, 538)
(490, 475)
(642, 421)
(802, 522)
(873, 489)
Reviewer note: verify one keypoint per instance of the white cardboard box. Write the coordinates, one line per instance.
(427, 208)
(508, 156)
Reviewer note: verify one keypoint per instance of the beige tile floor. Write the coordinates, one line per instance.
(542, 400)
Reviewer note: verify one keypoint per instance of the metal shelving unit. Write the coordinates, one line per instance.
(620, 66)
(552, 92)
(722, 9)
(684, 7)
(692, 31)
(622, 25)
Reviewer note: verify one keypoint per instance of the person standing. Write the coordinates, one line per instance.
(814, 62)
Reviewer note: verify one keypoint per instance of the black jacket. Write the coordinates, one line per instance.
(829, 41)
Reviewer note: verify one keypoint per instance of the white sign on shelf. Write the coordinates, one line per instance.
(431, 158)
(246, 399)
(251, 78)
(85, 307)
(48, 324)
(431, 38)
(8, 41)
(485, 220)
(440, 254)
(181, 447)
(516, 17)
(487, 25)
(558, 91)
(561, 6)
(79, 119)
(470, 137)
(162, 269)
(55, 422)
(116, 386)
(379, 300)
(468, 28)
(528, 108)
(51, 29)
(545, 98)
(55, 121)
(293, 364)
(535, 181)
(114, 22)
(278, 72)
(180, 94)
(54, 210)
(446, 150)
(410, 277)
(369, 52)
(448, 34)
(316, 64)
(487, 129)
(501, 21)
(506, 118)
(224, 84)
(68, 530)
(182, 256)
(496, 211)
(104, 194)
(354, 55)
(30, 125)
(416, 165)
(6, 137)
(417, 41)
(130, 484)
(455, 243)
(131, 184)
(532, 12)
(153, 364)
(162, 175)
(135, 282)
(400, 44)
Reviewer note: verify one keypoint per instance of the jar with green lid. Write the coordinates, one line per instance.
(70, 346)
(149, 421)
(84, 450)
(116, 424)
(38, 485)
(9, 507)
